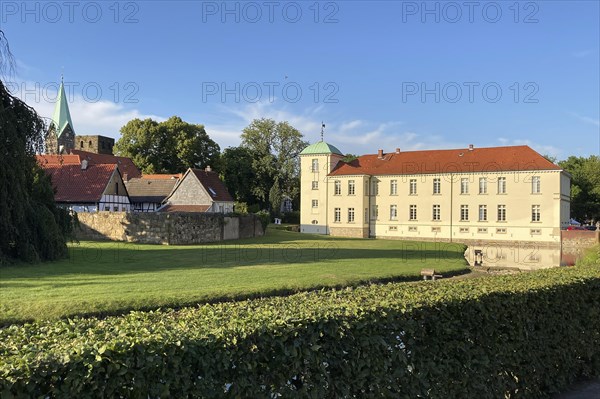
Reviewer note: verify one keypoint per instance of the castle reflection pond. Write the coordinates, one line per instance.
(524, 256)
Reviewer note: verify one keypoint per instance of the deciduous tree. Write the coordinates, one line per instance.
(275, 147)
(171, 146)
(32, 228)
(585, 186)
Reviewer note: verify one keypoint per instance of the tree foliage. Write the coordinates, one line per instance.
(585, 186)
(171, 146)
(237, 173)
(32, 228)
(275, 147)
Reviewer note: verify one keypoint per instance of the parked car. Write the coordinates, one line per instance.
(590, 227)
(573, 227)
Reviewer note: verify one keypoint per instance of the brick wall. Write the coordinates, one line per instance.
(166, 228)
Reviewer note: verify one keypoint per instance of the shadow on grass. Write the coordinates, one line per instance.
(119, 258)
(119, 311)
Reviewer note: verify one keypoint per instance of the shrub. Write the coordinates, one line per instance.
(291, 217)
(519, 336)
(265, 219)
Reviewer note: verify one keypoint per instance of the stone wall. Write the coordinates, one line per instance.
(166, 228)
(190, 191)
(96, 144)
(354, 232)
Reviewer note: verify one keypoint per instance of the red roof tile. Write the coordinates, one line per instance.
(213, 185)
(490, 159)
(58, 159)
(72, 184)
(184, 208)
(126, 165)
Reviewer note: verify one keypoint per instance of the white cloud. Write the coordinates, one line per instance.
(583, 53)
(89, 117)
(586, 119)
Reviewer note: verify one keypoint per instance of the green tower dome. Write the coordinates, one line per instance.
(321, 148)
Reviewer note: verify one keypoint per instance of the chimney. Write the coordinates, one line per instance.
(470, 147)
(397, 150)
(84, 164)
(380, 154)
(208, 169)
(125, 177)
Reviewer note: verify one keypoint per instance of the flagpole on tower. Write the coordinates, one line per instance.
(322, 130)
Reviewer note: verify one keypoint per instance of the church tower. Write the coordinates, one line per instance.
(60, 138)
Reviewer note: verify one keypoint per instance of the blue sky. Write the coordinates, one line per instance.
(414, 75)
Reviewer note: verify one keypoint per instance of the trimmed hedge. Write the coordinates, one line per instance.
(518, 336)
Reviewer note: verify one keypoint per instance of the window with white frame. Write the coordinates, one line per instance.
(502, 213)
(483, 185)
(413, 187)
(535, 213)
(337, 185)
(351, 187)
(464, 185)
(350, 215)
(483, 213)
(536, 185)
(315, 185)
(337, 215)
(315, 203)
(502, 185)
(437, 213)
(393, 212)
(394, 187)
(315, 165)
(464, 213)
(412, 212)
(437, 186)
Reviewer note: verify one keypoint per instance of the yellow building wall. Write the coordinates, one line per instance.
(314, 219)
(518, 200)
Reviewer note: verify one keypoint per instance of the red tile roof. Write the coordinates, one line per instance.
(74, 185)
(126, 165)
(184, 208)
(58, 159)
(490, 159)
(213, 185)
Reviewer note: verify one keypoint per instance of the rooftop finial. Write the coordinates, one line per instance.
(322, 130)
(62, 73)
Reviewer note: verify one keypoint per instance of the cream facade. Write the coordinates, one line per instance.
(448, 204)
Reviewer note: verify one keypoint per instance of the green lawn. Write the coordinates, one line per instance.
(111, 277)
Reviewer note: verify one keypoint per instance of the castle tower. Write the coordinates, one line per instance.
(316, 162)
(60, 138)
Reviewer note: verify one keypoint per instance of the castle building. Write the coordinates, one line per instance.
(463, 195)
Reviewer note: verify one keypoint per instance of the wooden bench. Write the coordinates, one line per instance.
(430, 273)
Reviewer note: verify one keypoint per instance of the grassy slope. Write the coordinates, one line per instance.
(110, 277)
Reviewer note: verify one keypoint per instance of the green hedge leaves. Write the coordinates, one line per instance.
(520, 336)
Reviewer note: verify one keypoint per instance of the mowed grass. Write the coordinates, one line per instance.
(110, 277)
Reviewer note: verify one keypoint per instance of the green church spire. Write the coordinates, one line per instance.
(62, 116)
